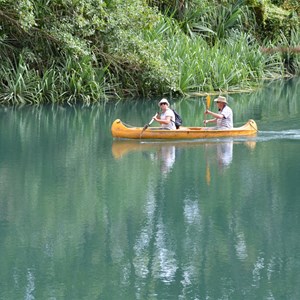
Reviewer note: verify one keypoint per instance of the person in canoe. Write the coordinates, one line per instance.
(167, 117)
(224, 117)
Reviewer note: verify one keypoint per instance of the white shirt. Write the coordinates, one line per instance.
(164, 115)
(227, 121)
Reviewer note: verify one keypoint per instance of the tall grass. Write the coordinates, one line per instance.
(19, 83)
(70, 81)
(291, 59)
(236, 63)
(295, 41)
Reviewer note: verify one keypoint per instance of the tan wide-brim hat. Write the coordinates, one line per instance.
(221, 99)
(164, 100)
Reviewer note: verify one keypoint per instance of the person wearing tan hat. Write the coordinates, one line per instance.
(167, 117)
(224, 117)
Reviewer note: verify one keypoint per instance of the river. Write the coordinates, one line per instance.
(84, 216)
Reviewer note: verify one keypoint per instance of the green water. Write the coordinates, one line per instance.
(83, 216)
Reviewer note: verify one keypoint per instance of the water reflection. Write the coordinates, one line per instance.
(142, 244)
(166, 155)
(164, 259)
(224, 153)
(223, 156)
(165, 152)
(83, 216)
(153, 250)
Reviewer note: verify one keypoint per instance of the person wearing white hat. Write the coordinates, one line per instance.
(167, 117)
(224, 117)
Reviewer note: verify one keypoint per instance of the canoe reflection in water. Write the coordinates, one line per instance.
(164, 153)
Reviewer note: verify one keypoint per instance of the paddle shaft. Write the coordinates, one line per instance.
(207, 105)
(151, 122)
(147, 125)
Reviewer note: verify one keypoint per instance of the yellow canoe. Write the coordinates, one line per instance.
(121, 130)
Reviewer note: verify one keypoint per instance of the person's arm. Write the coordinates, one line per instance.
(210, 121)
(166, 121)
(215, 115)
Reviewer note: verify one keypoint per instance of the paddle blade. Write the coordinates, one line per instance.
(207, 102)
(145, 127)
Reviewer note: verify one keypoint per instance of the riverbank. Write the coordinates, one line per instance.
(58, 53)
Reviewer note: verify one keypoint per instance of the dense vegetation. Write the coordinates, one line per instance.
(90, 50)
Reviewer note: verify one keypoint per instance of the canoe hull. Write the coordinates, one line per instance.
(120, 130)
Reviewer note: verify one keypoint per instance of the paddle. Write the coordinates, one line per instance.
(147, 125)
(207, 164)
(207, 105)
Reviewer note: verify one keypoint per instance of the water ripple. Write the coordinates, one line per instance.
(277, 135)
